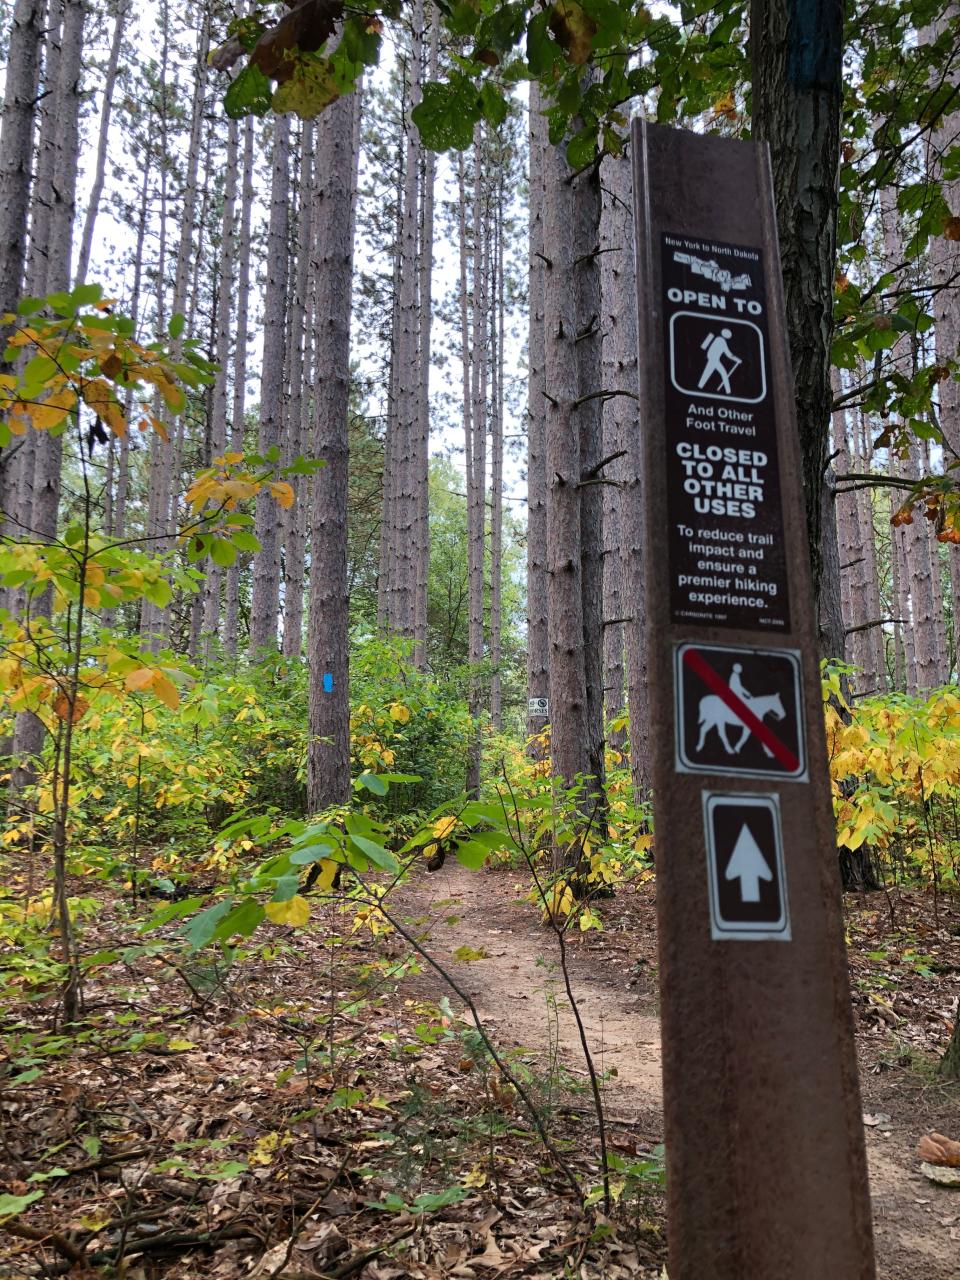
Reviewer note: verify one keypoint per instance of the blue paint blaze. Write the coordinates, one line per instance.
(815, 44)
(327, 682)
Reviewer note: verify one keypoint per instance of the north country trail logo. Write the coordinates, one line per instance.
(711, 270)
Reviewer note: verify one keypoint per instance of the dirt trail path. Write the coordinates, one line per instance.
(518, 988)
(518, 992)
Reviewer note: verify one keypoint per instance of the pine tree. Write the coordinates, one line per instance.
(538, 685)
(265, 603)
(328, 758)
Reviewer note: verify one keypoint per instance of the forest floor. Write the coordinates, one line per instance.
(319, 1109)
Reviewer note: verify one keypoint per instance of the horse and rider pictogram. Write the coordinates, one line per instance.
(740, 711)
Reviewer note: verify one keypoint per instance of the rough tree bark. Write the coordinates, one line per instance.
(220, 408)
(914, 539)
(538, 680)
(164, 458)
(626, 407)
(295, 529)
(328, 753)
(797, 49)
(475, 438)
(586, 231)
(16, 165)
(496, 461)
(569, 738)
(265, 602)
(16, 143)
(944, 268)
(50, 259)
(421, 442)
(402, 595)
(103, 140)
(231, 619)
(616, 240)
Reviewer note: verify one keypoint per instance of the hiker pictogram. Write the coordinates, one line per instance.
(717, 357)
(721, 362)
(739, 711)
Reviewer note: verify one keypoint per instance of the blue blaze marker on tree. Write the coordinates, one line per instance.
(327, 682)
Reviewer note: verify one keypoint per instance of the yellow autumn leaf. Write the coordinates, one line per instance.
(328, 871)
(98, 396)
(296, 912)
(400, 713)
(142, 678)
(166, 690)
(50, 412)
(200, 491)
(443, 827)
(240, 490)
(283, 493)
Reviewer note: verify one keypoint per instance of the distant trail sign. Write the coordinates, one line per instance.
(766, 1169)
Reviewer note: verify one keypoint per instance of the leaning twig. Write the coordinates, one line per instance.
(488, 1044)
(560, 930)
(64, 1246)
(359, 1260)
(298, 1225)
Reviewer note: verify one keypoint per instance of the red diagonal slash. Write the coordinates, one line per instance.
(717, 685)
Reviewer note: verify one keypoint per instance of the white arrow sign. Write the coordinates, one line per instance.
(748, 865)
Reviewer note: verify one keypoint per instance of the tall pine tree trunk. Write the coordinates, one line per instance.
(587, 209)
(913, 538)
(616, 242)
(405, 457)
(231, 619)
(50, 260)
(569, 736)
(421, 449)
(220, 408)
(16, 168)
(164, 470)
(265, 602)
(942, 263)
(797, 53)
(103, 140)
(496, 464)
(538, 679)
(25, 43)
(328, 756)
(476, 456)
(301, 344)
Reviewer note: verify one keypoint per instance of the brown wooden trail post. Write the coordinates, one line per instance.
(766, 1168)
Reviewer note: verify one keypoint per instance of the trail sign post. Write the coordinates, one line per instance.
(766, 1170)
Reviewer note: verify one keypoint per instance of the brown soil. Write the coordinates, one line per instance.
(517, 989)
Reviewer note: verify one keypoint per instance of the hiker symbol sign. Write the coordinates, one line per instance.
(740, 711)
